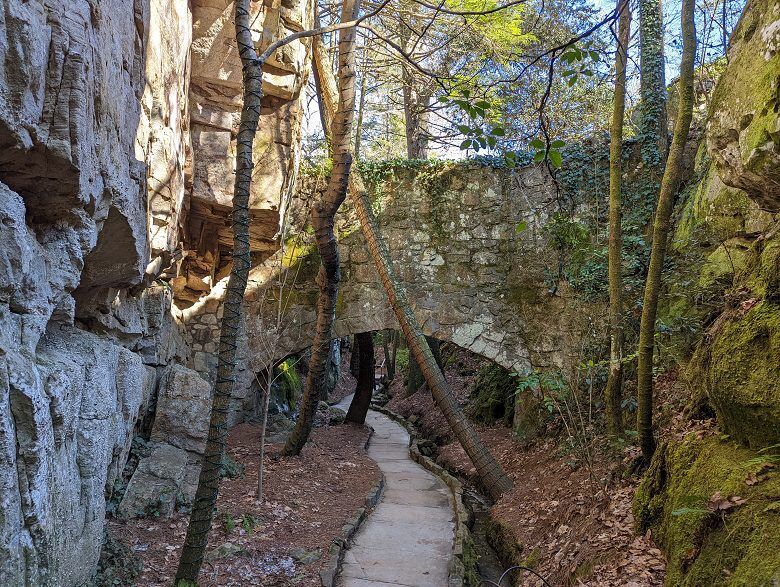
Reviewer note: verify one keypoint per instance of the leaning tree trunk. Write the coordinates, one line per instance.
(361, 401)
(208, 482)
(663, 214)
(323, 220)
(490, 472)
(415, 378)
(613, 393)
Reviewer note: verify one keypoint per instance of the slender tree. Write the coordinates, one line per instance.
(390, 339)
(416, 100)
(208, 482)
(323, 216)
(663, 214)
(490, 472)
(614, 390)
(354, 358)
(361, 401)
(361, 103)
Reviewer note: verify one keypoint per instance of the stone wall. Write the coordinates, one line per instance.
(473, 278)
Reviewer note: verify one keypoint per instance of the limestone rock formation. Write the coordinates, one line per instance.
(215, 98)
(117, 125)
(156, 485)
(163, 139)
(182, 420)
(169, 474)
(737, 363)
(73, 229)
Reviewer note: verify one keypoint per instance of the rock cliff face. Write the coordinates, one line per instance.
(116, 124)
(215, 100)
(744, 129)
(74, 241)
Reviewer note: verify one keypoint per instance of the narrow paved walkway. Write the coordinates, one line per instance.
(407, 539)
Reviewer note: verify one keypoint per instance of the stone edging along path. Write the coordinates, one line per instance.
(412, 538)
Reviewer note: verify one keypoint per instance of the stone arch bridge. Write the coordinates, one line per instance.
(473, 278)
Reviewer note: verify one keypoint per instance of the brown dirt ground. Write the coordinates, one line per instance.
(307, 500)
(574, 522)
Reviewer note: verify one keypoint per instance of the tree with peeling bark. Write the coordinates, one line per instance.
(358, 408)
(614, 390)
(669, 184)
(323, 217)
(493, 477)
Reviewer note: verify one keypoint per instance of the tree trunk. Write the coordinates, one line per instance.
(208, 482)
(358, 408)
(390, 347)
(415, 103)
(323, 220)
(653, 125)
(394, 355)
(415, 380)
(492, 475)
(613, 394)
(386, 350)
(354, 358)
(267, 384)
(361, 106)
(660, 232)
(415, 111)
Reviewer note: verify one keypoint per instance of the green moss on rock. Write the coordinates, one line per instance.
(502, 539)
(744, 110)
(744, 376)
(722, 264)
(763, 278)
(739, 547)
(492, 397)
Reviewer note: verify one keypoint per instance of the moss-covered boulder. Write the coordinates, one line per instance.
(737, 365)
(744, 375)
(714, 508)
(743, 135)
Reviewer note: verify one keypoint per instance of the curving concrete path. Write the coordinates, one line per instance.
(407, 539)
